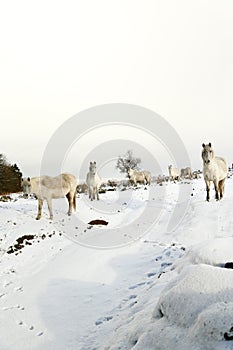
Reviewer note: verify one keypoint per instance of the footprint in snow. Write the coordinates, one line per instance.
(137, 285)
(13, 307)
(165, 264)
(40, 334)
(158, 258)
(30, 328)
(132, 296)
(103, 319)
(133, 303)
(6, 284)
(151, 274)
(21, 323)
(126, 300)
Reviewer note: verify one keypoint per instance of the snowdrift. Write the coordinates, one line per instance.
(194, 310)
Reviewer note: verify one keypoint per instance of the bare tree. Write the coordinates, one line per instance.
(126, 162)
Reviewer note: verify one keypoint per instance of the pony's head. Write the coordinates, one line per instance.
(92, 168)
(207, 153)
(26, 185)
(130, 171)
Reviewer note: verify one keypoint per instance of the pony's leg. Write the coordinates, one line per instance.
(74, 201)
(89, 190)
(49, 203)
(207, 190)
(221, 186)
(70, 201)
(40, 205)
(216, 190)
(91, 193)
(97, 194)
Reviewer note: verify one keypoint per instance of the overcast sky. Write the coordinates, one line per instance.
(61, 57)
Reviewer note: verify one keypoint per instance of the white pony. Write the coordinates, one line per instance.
(47, 188)
(174, 173)
(196, 175)
(186, 173)
(93, 182)
(139, 176)
(147, 176)
(214, 169)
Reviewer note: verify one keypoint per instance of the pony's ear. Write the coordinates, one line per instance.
(95, 162)
(210, 144)
(90, 163)
(29, 179)
(203, 145)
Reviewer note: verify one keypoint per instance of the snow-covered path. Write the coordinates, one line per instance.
(57, 294)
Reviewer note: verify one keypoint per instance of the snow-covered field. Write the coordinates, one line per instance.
(142, 287)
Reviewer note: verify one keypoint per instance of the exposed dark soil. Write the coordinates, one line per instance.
(21, 242)
(98, 222)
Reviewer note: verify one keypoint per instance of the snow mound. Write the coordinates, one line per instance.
(194, 312)
(200, 301)
(215, 252)
(196, 289)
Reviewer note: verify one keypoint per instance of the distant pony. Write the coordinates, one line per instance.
(139, 176)
(196, 175)
(214, 169)
(186, 173)
(93, 181)
(174, 173)
(47, 188)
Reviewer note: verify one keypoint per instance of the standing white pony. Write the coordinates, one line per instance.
(47, 188)
(93, 182)
(174, 173)
(214, 169)
(139, 176)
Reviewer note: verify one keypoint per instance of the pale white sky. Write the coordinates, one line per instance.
(61, 57)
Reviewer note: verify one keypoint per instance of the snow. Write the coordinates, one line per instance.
(133, 284)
